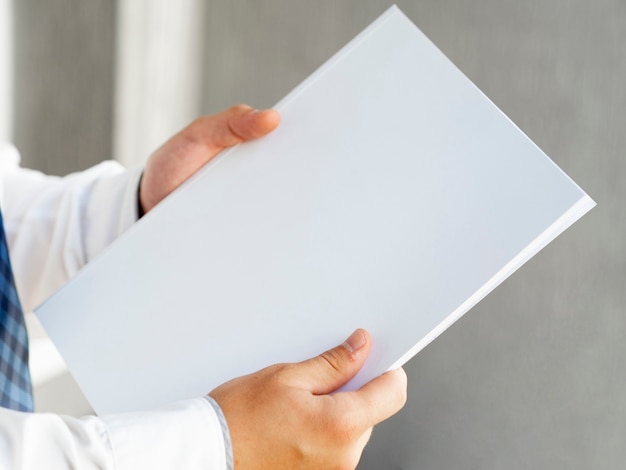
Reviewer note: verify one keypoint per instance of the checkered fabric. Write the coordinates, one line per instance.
(15, 386)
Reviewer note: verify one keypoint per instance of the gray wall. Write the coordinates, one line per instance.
(63, 87)
(531, 378)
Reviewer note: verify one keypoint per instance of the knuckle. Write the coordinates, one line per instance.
(201, 122)
(343, 431)
(335, 360)
(198, 129)
(278, 374)
(196, 126)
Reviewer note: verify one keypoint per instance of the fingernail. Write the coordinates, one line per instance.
(355, 342)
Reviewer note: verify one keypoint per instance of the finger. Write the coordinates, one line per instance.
(332, 369)
(377, 400)
(183, 154)
(254, 124)
(233, 126)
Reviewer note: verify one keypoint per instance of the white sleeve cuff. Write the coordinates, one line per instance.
(183, 435)
(228, 447)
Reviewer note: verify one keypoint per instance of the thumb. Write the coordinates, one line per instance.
(231, 127)
(332, 369)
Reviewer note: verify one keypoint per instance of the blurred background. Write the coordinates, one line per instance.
(534, 377)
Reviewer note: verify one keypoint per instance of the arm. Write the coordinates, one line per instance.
(56, 225)
(184, 435)
(291, 415)
(285, 416)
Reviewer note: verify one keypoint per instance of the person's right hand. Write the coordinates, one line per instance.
(287, 417)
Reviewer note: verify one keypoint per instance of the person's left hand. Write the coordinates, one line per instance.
(186, 152)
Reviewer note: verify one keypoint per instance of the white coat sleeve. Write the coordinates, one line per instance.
(54, 227)
(184, 435)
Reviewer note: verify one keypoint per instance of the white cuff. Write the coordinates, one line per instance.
(228, 447)
(183, 435)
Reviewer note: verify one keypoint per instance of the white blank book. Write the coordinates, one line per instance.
(393, 196)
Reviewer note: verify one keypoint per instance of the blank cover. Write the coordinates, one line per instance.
(393, 197)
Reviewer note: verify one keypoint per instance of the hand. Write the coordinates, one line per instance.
(186, 152)
(285, 416)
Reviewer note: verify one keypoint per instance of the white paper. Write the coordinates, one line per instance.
(393, 197)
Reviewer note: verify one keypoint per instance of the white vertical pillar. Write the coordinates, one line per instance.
(158, 77)
(6, 69)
